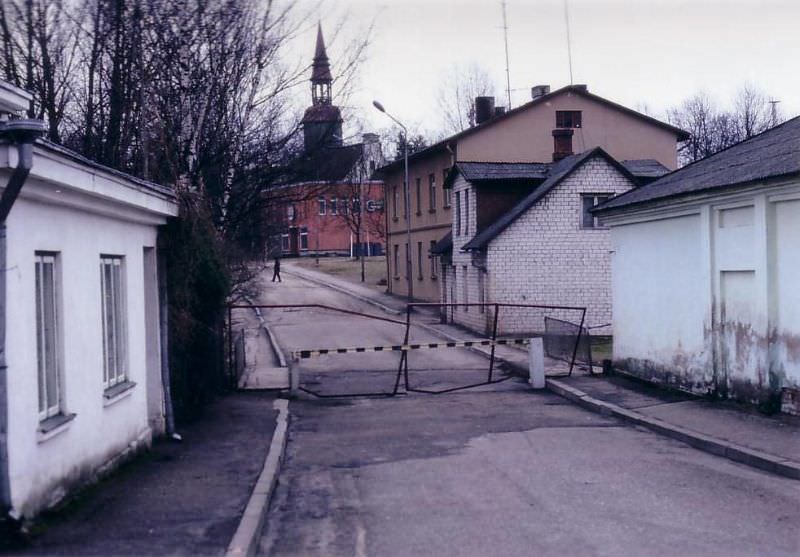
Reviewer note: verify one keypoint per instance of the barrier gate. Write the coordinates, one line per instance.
(567, 345)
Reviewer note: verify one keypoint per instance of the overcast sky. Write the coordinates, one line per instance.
(635, 52)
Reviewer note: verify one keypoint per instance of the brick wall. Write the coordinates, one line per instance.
(544, 257)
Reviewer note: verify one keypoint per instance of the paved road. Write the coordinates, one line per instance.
(499, 471)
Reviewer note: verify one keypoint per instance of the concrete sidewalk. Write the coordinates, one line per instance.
(724, 429)
(179, 498)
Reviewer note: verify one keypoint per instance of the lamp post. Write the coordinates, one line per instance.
(406, 191)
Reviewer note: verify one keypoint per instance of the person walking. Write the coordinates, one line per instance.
(276, 270)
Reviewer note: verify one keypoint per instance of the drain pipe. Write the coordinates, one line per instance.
(23, 133)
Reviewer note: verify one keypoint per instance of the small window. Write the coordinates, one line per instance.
(290, 212)
(304, 238)
(419, 196)
(396, 266)
(458, 213)
(432, 191)
(395, 201)
(434, 260)
(321, 202)
(284, 243)
(114, 320)
(568, 118)
(356, 206)
(447, 191)
(589, 201)
(334, 208)
(466, 211)
(419, 261)
(47, 336)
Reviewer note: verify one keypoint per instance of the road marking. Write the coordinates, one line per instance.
(304, 354)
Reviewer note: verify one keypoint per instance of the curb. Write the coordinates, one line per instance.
(732, 451)
(245, 540)
(338, 288)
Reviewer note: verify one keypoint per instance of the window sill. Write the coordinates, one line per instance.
(434, 277)
(395, 219)
(396, 278)
(420, 279)
(114, 394)
(53, 426)
(419, 213)
(431, 211)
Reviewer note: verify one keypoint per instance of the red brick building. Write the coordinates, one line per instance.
(329, 204)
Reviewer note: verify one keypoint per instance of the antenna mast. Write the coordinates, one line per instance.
(569, 41)
(505, 38)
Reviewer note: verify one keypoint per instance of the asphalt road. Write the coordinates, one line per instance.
(501, 470)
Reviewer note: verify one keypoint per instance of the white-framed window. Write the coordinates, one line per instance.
(466, 211)
(284, 243)
(290, 212)
(114, 320)
(458, 213)
(321, 202)
(432, 192)
(48, 335)
(304, 238)
(589, 201)
(334, 207)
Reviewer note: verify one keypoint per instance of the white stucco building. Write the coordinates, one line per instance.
(83, 385)
(705, 273)
(522, 233)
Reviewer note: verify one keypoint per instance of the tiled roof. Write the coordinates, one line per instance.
(558, 171)
(774, 153)
(645, 168)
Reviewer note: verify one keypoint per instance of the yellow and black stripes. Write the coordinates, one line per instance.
(303, 354)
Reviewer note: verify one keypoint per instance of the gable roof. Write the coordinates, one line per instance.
(330, 164)
(558, 172)
(773, 153)
(581, 90)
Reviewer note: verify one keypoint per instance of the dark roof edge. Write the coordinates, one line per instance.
(646, 203)
(77, 157)
(683, 135)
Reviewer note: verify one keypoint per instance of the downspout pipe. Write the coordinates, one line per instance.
(22, 133)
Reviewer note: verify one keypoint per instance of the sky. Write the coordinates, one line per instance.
(639, 53)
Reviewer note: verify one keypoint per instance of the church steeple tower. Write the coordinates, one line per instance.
(322, 122)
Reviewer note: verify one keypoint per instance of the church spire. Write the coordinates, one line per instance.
(321, 72)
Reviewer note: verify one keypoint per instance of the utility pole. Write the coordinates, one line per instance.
(505, 38)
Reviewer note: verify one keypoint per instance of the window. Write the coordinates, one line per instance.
(481, 293)
(115, 345)
(432, 191)
(396, 266)
(419, 196)
(419, 261)
(304, 238)
(356, 206)
(290, 213)
(447, 191)
(47, 336)
(434, 260)
(284, 243)
(407, 261)
(466, 211)
(458, 213)
(568, 118)
(464, 287)
(321, 202)
(334, 208)
(588, 201)
(343, 206)
(395, 202)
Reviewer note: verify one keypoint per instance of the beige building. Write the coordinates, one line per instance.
(551, 126)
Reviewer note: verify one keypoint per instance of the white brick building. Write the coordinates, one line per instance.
(522, 233)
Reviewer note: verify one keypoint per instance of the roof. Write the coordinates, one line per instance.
(329, 164)
(322, 113)
(645, 168)
(492, 171)
(445, 245)
(558, 171)
(773, 153)
(581, 90)
(76, 157)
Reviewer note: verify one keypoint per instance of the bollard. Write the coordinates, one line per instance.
(294, 378)
(536, 363)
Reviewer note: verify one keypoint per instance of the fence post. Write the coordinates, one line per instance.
(536, 363)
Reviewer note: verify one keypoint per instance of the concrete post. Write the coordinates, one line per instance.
(294, 378)
(536, 363)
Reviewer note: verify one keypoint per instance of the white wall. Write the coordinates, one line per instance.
(43, 467)
(661, 300)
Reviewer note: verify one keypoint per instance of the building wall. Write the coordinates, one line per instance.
(43, 467)
(707, 300)
(545, 257)
(527, 137)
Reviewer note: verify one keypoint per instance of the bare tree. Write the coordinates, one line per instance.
(751, 111)
(456, 96)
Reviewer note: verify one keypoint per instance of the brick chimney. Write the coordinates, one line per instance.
(562, 143)
(539, 91)
(484, 109)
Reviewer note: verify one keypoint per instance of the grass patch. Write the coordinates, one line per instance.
(349, 269)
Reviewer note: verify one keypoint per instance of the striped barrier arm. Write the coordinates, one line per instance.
(304, 354)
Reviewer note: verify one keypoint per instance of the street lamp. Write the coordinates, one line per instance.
(406, 192)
